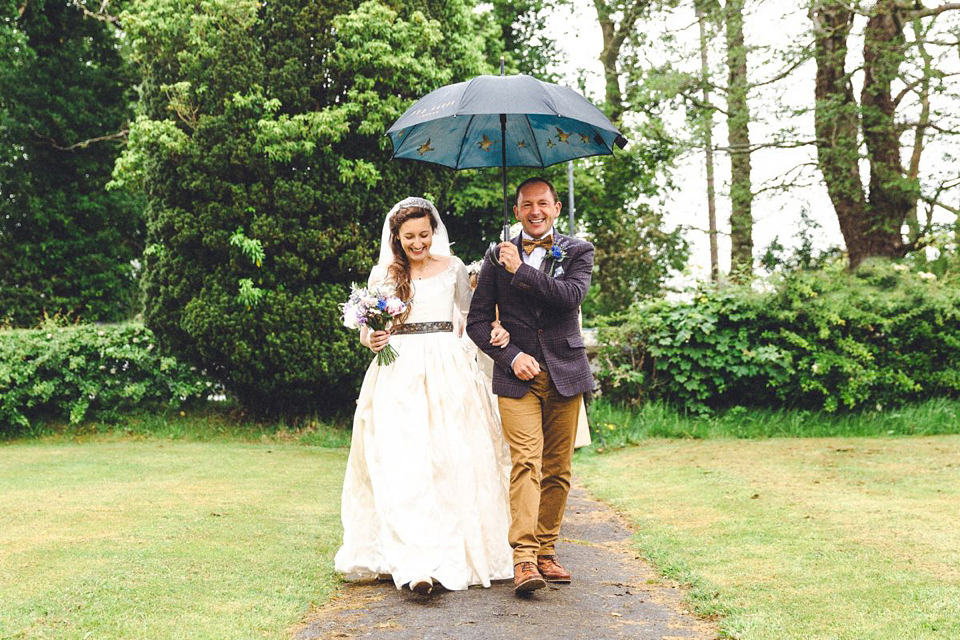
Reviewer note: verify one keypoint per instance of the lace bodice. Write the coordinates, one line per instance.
(442, 297)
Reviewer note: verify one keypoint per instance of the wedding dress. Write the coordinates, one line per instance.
(426, 491)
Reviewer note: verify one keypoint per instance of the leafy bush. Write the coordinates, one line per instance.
(87, 371)
(820, 340)
(260, 146)
(67, 245)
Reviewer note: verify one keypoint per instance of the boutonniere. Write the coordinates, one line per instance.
(558, 252)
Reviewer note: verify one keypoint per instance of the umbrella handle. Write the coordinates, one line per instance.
(493, 251)
(493, 254)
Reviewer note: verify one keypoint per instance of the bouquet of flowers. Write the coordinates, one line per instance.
(375, 308)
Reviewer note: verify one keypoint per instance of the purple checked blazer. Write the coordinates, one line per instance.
(540, 310)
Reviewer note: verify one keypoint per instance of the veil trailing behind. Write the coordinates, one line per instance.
(426, 488)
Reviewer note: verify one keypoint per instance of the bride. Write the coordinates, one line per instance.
(425, 497)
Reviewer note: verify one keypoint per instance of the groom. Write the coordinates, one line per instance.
(540, 376)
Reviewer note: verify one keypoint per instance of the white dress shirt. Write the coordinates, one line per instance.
(535, 257)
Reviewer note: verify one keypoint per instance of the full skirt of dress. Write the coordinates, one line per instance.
(426, 491)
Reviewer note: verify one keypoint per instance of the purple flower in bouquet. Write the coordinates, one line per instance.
(375, 308)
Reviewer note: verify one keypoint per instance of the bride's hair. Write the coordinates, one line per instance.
(399, 269)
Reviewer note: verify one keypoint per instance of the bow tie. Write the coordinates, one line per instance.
(529, 245)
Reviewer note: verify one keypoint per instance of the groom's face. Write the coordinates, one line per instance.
(536, 209)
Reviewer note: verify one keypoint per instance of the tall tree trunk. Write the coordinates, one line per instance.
(707, 123)
(836, 121)
(608, 57)
(871, 225)
(892, 195)
(614, 34)
(919, 132)
(738, 137)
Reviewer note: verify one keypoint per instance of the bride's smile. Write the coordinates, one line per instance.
(416, 238)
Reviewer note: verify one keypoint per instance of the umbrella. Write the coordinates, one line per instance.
(505, 121)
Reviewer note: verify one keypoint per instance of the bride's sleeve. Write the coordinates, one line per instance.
(463, 293)
(378, 275)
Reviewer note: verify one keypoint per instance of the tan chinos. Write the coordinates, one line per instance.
(540, 428)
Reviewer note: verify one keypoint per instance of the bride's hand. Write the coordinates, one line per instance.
(499, 337)
(378, 340)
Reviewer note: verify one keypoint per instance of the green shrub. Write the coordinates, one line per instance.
(89, 370)
(820, 340)
(260, 146)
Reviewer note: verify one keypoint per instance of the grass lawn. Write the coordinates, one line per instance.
(173, 527)
(835, 538)
(153, 538)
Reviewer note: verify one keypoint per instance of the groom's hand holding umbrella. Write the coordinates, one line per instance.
(509, 256)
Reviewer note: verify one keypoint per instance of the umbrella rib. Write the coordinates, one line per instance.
(463, 141)
(533, 137)
(398, 146)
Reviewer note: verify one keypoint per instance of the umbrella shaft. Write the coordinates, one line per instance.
(503, 175)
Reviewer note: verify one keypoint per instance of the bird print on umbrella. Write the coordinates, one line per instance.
(486, 143)
(425, 147)
(561, 136)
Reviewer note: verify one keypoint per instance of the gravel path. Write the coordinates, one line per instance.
(613, 595)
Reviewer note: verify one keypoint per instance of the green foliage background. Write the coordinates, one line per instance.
(89, 371)
(267, 120)
(825, 340)
(254, 178)
(66, 244)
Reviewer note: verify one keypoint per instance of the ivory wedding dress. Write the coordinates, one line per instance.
(426, 491)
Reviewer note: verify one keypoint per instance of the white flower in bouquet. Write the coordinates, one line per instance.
(474, 267)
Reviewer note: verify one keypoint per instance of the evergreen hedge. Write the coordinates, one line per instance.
(68, 247)
(260, 145)
(827, 340)
(89, 371)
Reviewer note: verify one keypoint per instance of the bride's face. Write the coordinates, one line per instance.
(416, 237)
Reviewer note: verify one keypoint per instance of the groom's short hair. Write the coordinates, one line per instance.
(553, 190)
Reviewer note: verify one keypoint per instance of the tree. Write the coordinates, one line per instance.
(900, 78)
(738, 139)
(617, 21)
(260, 145)
(675, 85)
(523, 40)
(706, 126)
(634, 252)
(67, 246)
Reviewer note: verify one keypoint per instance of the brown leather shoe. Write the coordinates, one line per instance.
(551, 570)
(526, 578)
(422, 586)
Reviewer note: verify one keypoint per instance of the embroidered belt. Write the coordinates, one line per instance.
(423, 327)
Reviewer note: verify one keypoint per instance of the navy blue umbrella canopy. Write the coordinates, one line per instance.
(460, 126)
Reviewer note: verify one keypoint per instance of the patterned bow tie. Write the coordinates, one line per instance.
(529, 245)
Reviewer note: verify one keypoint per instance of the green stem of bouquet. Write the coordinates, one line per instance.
(386, 356)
